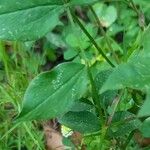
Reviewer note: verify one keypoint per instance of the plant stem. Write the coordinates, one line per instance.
(95, 95)
(103, 135)
(4, 57)
(128, 140)
(104, 1)
(134, 7)
(115, 103)
(32, 136)
(104, 34)
(108, 123)
(91, 39)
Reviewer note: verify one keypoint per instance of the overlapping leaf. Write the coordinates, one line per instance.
(134, 74)
(28, 19)
(83, 121)
(52, 93)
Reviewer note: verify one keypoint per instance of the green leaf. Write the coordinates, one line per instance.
(80, 42)
(106, 97)
(70, 54)
(106, 14)
(81, 106)
(52, 93)
(133, 74)
(68, 143)
(83, 121)
(146, 38)
(27, 19)
(145, 111)
(120, 127)
(145, 128)
(82, 2)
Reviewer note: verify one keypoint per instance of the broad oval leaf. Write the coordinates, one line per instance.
(134, 74)
(83, 121)
(52, 93)
(28, 19)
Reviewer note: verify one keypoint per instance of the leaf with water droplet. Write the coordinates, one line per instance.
(52, 93)
(29, 20)
(83, 121)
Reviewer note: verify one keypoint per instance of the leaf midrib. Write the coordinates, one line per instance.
(52, 94)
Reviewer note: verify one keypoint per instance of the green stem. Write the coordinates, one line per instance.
(128, 140)
(109, 121)
(32, 136)
(4, 58)
(133, 6)
(104, 1)
(103, 135)
(104, 34)
(115, 105)
(95, 95)
(91, 39)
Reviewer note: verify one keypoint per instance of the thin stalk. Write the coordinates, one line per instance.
(134, 7)
(104, 34)
(128, 140)
(91, 39)
(32, 136)
(9, 131)
(115, 1)
(108, 123)
(140, 15)
(70, 18)
(95, 95)
(19, 140)
(4, 58)
(103, 135)
(115, 103)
